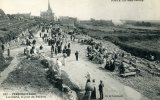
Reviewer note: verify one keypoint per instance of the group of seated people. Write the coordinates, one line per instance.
(100, 55)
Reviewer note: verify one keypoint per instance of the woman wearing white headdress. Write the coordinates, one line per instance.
(64, 59)
(88, 76)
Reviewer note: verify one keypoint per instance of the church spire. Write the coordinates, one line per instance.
(49, 7)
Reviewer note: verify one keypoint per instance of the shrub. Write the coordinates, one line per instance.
(45, 63)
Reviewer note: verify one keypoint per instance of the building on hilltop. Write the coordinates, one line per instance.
(22, 15)
(68, 21)
(48, 15)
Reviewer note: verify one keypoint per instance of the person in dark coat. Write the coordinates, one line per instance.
(43, 38)
(40, 34)
(68, 52)
(56, 50)
(34, 42)
(32, 50)
(27, 42)
(59, 48)
(3, 47)
(64, 51)
(115, 56)
(49, 42)
(123, 54)
(41, 47)
(101, 85)
(93, 94)
(69, 45)
(121, 68)
(52, 47)
(8, 51)
(52, 41)
(107, 66)
(76, 54)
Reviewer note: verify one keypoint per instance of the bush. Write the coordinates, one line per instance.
(140, 52)
(45, 63)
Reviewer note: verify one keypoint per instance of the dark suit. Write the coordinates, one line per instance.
(101, 85)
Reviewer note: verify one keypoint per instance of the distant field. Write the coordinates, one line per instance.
(151, 45)
(140, 38)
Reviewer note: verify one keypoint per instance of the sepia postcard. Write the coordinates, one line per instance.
(79, 50)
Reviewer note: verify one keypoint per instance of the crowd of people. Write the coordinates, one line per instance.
(99, 54)
(59, 42)
(51, 36)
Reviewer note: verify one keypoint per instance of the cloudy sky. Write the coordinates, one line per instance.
(86, 9)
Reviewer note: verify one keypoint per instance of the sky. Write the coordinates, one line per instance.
(86, 9)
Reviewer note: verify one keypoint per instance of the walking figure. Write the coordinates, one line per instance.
(3, 48)
(101, 85)
(93, 94)
(40, 34)
(8, 50)
(76, 54)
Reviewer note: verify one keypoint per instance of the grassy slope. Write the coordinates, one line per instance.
(132, 37)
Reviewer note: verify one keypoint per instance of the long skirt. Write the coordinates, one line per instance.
(93, 94)
(87, 95)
